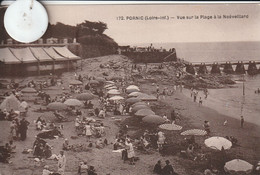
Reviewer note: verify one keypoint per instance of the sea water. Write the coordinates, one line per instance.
(229, 101)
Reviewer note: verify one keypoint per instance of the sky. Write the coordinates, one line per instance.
(164, 31)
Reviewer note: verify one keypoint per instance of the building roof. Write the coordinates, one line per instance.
(7, 57)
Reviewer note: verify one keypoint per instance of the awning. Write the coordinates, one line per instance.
(39, 53)
(7, 57)
(64, 51)
(24, 54)
(53, 54)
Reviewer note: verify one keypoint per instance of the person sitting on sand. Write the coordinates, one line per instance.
(83, 168)
(96, 111)
(46, 170)
(47, 151)
(158, 168)
(99, 143)
(189, 151)
(166, 119)
(65, 145)
(12, 146)
(118, 145)
(102, 113)
(207, 127)
(168, 169)
(92, 171)
(144, 142)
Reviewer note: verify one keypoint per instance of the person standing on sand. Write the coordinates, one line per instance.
(23, 128)
(195, 96)
(131, 152)
(242, 121)
(88, 131)
(191, 92)
(61, 163)
(200, 101)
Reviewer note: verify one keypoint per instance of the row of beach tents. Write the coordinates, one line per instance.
(35, 54)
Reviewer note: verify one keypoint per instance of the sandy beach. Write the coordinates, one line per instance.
(107, 162)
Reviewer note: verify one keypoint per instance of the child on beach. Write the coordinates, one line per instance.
(200, 101)
(242, 121)
(206, 127)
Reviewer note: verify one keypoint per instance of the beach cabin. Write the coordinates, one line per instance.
(8, 62)
(36, 60)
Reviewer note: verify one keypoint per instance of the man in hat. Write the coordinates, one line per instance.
(168, 169)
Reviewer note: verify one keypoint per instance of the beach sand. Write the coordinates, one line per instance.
(104, 161)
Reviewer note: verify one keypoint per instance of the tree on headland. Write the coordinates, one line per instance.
(3, 33)
(90, 28)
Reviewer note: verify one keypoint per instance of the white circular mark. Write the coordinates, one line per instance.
(26, 20)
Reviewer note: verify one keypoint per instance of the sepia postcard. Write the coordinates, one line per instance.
(135, 88)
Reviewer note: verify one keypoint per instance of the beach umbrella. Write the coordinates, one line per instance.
(93, 82)
(110, 82)
(24, 105)
(139, 103)
(238, 166)
(195, 132)
(135, 94)
(85, 96)
(146, 97)
(73, 102)
(170, 127)
(28, 90)
(117, 78)
(111, 87)
(132, 87)
(108, 85)
(75, 82)
(132, 90)
(144, 112)
(153, 119)
(117, 97)
(9, 103)
(57, 106)
(113, 92)
(132, 100)
(100, 79)
(139, 107)
(218, 143)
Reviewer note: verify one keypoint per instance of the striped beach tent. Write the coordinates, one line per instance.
(195, 132)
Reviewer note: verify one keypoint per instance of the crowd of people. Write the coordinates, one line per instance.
(90, 126)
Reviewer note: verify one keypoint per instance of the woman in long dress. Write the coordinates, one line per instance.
(61, 163)
(88, 131)
(131, 152)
